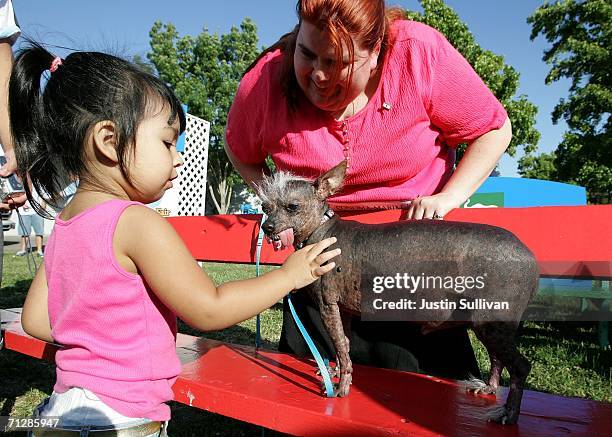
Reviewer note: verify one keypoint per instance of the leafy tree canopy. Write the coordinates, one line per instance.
(204, 72)
(580, 33)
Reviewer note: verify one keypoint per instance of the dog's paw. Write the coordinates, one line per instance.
(501, 415)
(333, 371)
(335, 391)
(340, 393)
(477, 386)
(343, 387)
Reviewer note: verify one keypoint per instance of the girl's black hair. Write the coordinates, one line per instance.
(50, 125)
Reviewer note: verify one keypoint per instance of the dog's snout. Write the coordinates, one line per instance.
(268, 227)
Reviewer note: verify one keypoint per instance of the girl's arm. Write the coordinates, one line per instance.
(479, 160)
(35, 314)
(144, 242)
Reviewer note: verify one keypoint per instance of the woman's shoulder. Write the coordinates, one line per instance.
(265, 71)
(405, 31)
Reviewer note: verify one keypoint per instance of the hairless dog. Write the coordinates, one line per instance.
(503, 274)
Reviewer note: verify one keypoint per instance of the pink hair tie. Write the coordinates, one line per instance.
(55, 63)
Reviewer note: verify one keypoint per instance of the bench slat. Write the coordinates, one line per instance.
(568, 241)
(280, 392)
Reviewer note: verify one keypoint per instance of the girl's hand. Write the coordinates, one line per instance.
(305, 265)
(433, 207)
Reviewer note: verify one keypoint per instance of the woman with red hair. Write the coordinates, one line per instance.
(355, 80)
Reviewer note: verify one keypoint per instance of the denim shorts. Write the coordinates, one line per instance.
(81, 411)
(29, 222)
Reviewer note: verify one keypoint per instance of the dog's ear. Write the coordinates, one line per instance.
(330, 182)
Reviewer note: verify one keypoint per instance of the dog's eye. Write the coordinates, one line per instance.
(292, 207)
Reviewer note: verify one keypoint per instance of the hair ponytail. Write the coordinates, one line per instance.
(35, 163)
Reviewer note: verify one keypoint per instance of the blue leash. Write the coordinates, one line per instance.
(329, 390)
(321, 363)
(257, 257)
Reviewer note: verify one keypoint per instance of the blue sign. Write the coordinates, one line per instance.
(523, 192)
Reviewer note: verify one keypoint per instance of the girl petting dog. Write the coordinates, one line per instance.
(116, 274)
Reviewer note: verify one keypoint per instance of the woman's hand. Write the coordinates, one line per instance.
(305, 265)
(433, 207)
(479, 160)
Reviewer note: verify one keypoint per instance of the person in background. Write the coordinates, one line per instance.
(9, 32)
(30, 220)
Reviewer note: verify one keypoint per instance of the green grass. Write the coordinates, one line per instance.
(566, 359)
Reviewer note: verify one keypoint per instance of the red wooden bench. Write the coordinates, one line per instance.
(281, 392)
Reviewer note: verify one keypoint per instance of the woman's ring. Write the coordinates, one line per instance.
(437, 216)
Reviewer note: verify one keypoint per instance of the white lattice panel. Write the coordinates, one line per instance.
(188, 195)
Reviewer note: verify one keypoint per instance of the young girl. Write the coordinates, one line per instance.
(115, 273)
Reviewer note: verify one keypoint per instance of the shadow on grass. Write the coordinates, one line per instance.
(583, 332)
(14, 295)
(19, 374)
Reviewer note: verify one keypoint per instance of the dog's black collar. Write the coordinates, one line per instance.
(329, 213)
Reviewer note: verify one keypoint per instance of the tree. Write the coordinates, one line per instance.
(538, 167)
(204, 72)
(581, 36)
(502, 79)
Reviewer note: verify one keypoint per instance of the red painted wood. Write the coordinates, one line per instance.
(568, 241)
(281, 392)
(17, 340)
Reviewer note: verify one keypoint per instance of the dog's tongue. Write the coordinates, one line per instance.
(286, 239)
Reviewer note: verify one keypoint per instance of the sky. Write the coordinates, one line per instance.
(122, 26)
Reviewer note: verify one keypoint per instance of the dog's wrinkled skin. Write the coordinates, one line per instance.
(297, 204)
